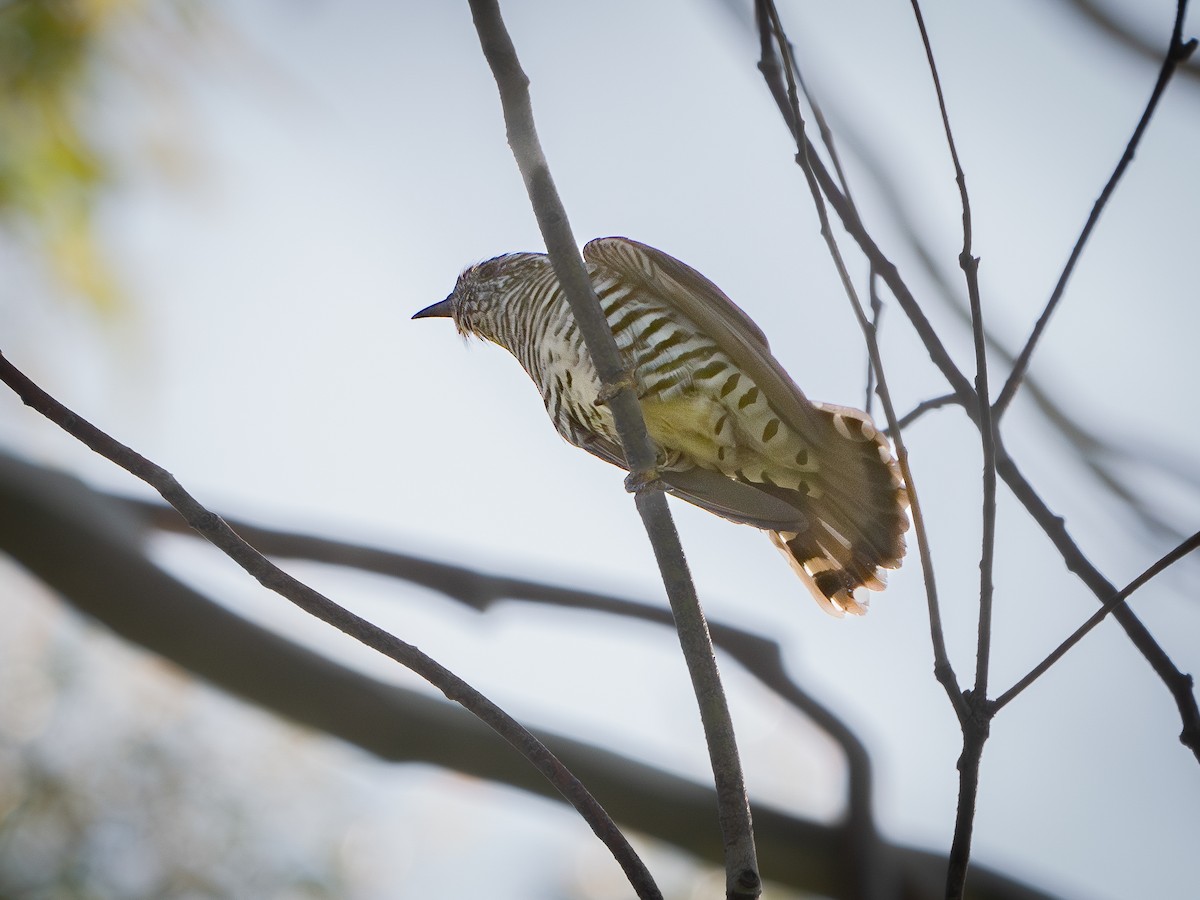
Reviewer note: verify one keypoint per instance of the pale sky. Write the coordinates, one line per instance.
(342, 164)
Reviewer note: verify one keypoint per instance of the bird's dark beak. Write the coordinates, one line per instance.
(441, 310)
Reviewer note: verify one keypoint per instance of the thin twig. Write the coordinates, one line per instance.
(1175, 681)
(741, 870)
(806, 158)
(923, 407)
(1178, 683)
(876, 315)
(848, 215)
(1123, 35)
(1177, 52)
(1105, 459)
(970, 266)
(1176, 554)
(270, 576)
(830, 145)
(976, 726)
(872, 872)
(823, 129)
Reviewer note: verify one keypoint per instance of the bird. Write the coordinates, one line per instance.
(733, 432)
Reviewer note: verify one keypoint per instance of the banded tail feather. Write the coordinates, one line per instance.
(735, 435)
(825, 556)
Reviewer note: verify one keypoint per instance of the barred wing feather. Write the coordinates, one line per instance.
(851, 526)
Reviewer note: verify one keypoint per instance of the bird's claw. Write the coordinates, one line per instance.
(637, 482)
(610, 389)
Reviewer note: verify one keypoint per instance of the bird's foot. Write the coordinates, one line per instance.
(610, 389)
(650, 480)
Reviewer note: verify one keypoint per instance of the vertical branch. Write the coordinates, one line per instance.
(1177, 53)
(876, 315)
(970, 266)
(741, 865)
(976, 724)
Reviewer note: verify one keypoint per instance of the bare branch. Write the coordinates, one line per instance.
(806, 158)
(970, 267)
(848, 214)
(876, 316)
(1099, 16)
(923, 407)
(1178, 683)
(270, 576)
(1172, 557)
(760, 657)
(1106, 459)
(741, 865)
(1177, 52)
(830, 145)
(976, 725)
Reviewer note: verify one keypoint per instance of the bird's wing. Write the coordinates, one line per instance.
(845, 457)
(640, 263)
(855, 523)
(704, 304)
(701, 301)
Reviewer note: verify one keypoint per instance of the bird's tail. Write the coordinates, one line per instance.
(858, 516)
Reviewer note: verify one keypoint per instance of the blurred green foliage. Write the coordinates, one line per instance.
(51, 169)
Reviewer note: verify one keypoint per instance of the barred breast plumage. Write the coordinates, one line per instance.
(735, 435)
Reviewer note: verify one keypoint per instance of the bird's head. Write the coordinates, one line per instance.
(485, 293)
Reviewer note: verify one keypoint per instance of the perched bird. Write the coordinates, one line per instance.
(735, 435)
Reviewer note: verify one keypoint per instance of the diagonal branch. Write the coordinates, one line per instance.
(270, 576)
(923, 407)
(741, 865)
(1178, 683)
(1104, 458)
(89, 548)
(1177, 53)
(1098, 16)
(759, 656)
(842, 204)
(1179, 552)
